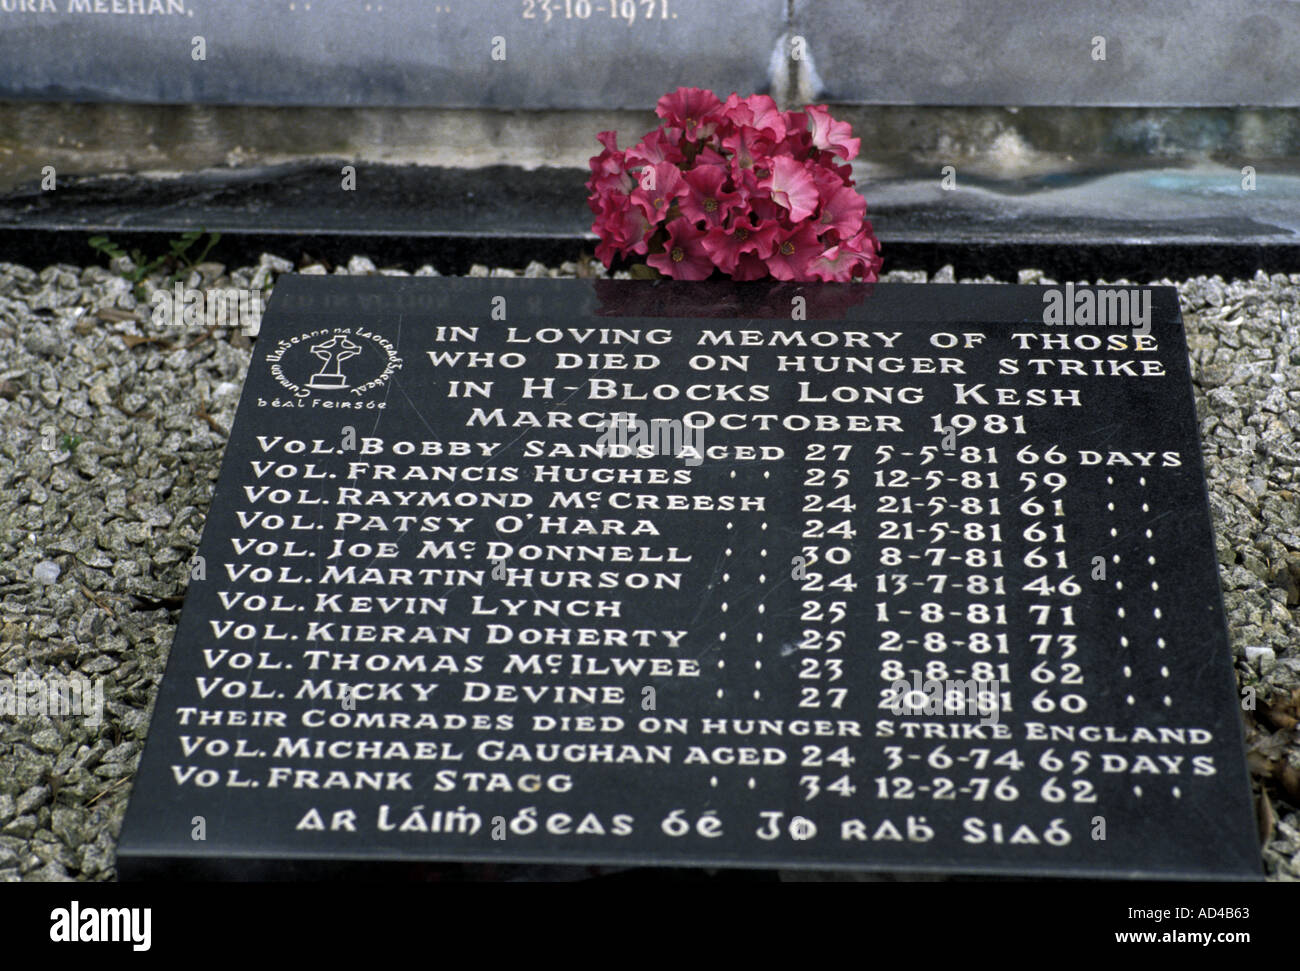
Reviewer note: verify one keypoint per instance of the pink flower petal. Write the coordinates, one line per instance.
(708, 201)
(792, 187)
(684, 256)
(832, 135)
(695, 110)
(843, 210)
(794, 248)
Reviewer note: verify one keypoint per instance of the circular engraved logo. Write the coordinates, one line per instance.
(334, 361)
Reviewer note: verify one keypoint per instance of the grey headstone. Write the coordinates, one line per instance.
(398, 52)
(1041, 52)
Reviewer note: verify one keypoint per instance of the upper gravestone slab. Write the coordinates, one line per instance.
(463, 53)
(1047, 52)
(626, 53)
(541, 571)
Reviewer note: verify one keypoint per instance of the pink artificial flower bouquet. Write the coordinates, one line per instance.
(737, 186)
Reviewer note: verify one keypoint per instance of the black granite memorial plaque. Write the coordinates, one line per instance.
(471, 53)
(576, 572)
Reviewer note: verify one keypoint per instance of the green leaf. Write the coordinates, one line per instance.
(187, 240)
(213, 238)
(106, 246)
(640, 271)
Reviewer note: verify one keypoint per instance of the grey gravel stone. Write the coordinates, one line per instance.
(40, 343)
(66, 824)
(1260, 655)
(96, 862)
(46, 571)
(277, 264)
(909, 276)
(23, 826)
(31, 799)
(46, 740)
(52, 872)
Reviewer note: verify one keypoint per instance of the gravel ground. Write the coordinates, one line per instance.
(113, 436)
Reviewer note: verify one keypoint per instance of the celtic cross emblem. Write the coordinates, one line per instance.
(333, 352)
